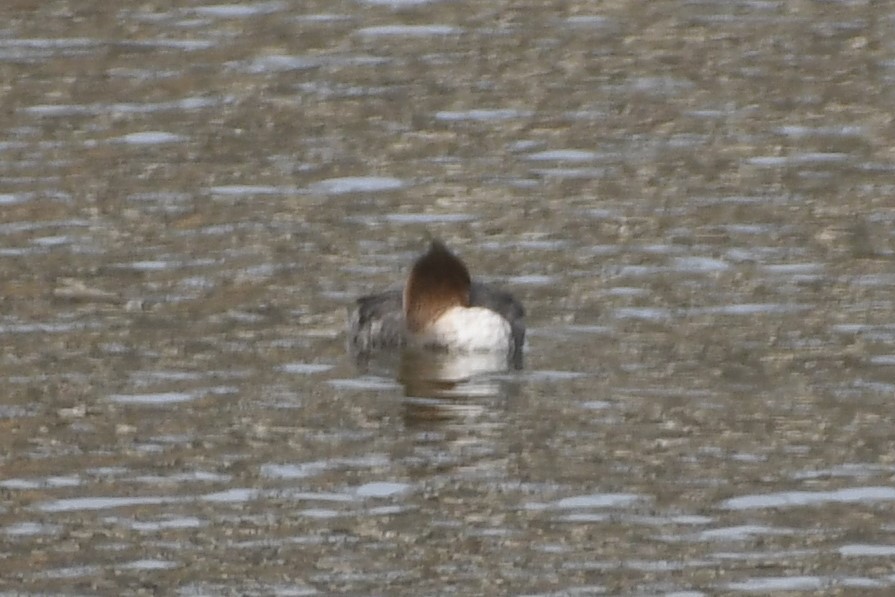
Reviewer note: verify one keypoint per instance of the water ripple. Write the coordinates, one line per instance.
(785, 499)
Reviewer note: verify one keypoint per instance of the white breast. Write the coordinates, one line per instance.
(466, 329)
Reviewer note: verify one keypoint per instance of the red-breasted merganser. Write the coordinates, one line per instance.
(439, 308)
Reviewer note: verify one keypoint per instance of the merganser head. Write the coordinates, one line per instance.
(437, 282)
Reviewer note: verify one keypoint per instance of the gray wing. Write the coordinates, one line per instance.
(504, 303)
(483, 295)
(376, 321)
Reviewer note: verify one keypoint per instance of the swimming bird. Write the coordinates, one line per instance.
(440, 308)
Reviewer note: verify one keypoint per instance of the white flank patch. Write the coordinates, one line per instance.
(467, 329)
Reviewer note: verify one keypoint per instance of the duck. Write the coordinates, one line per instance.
(439, 308)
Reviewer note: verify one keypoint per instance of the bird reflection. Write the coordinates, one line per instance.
(440, 385)
(432, 374)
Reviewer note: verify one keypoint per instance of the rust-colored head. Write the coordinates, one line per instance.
(437, 282)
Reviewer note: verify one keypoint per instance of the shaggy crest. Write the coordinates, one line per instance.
(437, 282)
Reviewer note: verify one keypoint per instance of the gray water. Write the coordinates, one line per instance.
(694, 200)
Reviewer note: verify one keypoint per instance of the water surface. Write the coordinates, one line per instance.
(693, 200)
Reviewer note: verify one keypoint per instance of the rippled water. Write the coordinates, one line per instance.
(694, 201)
